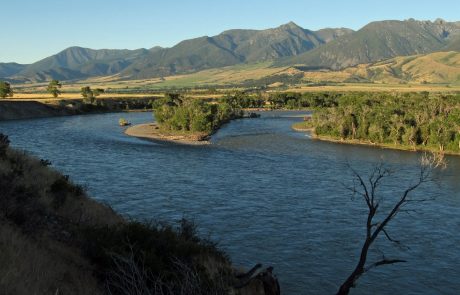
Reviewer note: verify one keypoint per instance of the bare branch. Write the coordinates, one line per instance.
(396, 242)
(383, 262)
(375, 224)
(364, 187)
(369, 189)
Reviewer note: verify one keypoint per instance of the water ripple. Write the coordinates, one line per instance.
(266, 193)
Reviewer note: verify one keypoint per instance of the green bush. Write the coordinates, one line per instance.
(4, 144)
(178, 114)
(411, 119)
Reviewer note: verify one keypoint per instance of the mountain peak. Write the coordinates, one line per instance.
(75, 48)
(439, 21)
(325, 48)
(291, 25)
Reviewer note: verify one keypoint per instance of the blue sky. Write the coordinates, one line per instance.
(36, 29)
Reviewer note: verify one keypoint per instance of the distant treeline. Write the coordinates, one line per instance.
(283, 100)
(176, 113)
(417, 120)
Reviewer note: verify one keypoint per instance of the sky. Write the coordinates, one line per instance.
(35, 29)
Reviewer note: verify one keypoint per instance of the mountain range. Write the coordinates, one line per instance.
(379, 41)
(286, 45)
(437, 67)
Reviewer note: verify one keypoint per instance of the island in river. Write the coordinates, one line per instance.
(186, 121)
(152, 131)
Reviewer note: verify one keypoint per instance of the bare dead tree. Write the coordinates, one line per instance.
(368, 190)
(128, 277)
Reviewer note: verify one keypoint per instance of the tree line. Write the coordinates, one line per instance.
(416, 120)
(89, 95)
(283, 100)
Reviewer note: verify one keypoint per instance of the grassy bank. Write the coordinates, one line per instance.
(54, 239)
(303, 126)
(381, 145)
(30, 109)
(307, 127)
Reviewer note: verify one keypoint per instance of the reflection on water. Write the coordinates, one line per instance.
(266, 193)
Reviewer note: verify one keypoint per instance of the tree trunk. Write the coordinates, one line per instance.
(359, 270)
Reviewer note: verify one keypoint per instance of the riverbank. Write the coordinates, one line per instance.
(299, 128)
(381, 145)
(152, 131)
(29, 109)
(17, 110)
(303, 126)
(64, 242)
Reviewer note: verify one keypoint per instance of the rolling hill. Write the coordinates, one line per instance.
(10, 69)
(78, 63)
(454, 44)
(379, 41)
(438, 67)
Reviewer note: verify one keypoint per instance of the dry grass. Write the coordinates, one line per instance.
(41, 266)
(389, 75)
(46, 98)
(374, 87)
(438, 67)
(56, 240)
(66, 95)
(77, 208)
(221, 76)
(37, 255)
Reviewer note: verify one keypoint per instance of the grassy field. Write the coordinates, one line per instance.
(436, 72)
(343, 87)
(375, 87)
(221, 76)
(434, 68)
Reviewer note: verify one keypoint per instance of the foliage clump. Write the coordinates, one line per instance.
(159, 257)
(294, 100)
(176, 113)
(244, 100)
(89, 95)
(417, 120)
(53, 88)
(5, 90)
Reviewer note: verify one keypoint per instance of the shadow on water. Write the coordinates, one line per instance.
(266, 193)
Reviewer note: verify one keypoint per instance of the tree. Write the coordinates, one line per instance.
(368, 189)
(98, 91)
(89, 95)
(5, 89)
(53, 88)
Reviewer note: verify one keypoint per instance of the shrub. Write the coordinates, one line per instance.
(178, 114)
(151, 251)
(4, 144)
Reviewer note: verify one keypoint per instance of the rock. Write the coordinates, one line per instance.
(262, 283)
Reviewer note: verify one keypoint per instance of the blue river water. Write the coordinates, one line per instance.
(266, 194)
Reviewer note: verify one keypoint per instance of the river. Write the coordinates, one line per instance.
(266, 194)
